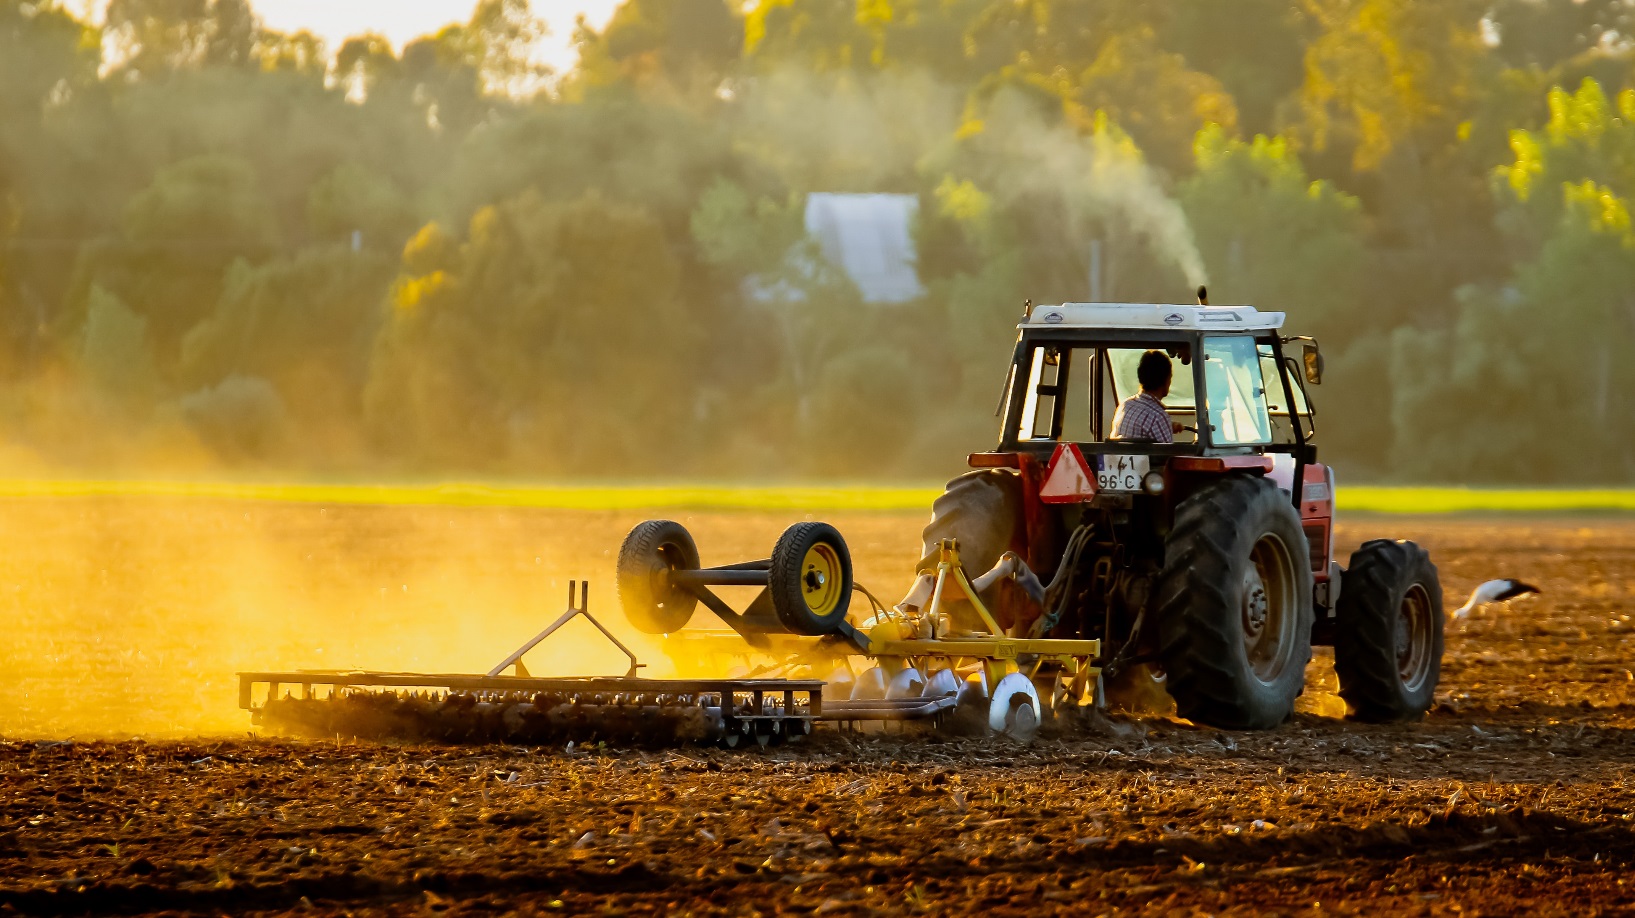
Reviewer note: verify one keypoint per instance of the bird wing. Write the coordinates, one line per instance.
(1487, 592)
(1514, 588)
(1494, 591)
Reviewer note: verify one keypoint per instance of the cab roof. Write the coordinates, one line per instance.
(1153, 316)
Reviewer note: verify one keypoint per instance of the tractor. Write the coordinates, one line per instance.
(1204, 566)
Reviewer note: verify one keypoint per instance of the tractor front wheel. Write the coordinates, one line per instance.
(1388, 632)
(1235, 606)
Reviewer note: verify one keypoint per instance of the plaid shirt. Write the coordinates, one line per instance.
(1142, 417)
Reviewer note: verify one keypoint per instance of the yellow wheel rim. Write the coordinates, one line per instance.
(820, 579)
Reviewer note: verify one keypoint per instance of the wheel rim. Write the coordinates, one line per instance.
(1268, 608)
(1414, 638)
(820, 579)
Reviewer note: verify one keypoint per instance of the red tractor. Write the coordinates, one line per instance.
(1204, 566)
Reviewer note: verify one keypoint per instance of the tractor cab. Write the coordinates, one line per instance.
(1076, 363)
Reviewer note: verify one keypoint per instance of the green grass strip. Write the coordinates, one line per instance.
(1359, 498)
(1366, 499)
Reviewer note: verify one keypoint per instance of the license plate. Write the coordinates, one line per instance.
(1121, 473)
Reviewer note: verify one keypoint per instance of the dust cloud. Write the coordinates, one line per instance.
(130, 616)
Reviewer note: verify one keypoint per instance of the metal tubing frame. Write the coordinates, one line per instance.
(515, 659)
(719, 576)
(948, 563)
(888, 709)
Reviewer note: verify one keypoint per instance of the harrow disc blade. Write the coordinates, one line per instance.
(1015, 709)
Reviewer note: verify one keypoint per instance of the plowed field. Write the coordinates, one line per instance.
(128, 618)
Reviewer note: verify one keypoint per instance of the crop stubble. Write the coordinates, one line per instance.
(130, 616)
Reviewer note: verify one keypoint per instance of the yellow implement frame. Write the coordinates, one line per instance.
(1071, 662)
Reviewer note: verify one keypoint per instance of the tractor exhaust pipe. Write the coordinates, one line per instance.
(1203, 295)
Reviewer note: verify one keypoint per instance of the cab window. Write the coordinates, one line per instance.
(1044, 389)
(1283, 420)
(1234, 393)
(1180, 403)
(1274, 385)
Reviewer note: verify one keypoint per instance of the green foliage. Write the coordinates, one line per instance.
(353, 199)
(336, 257)
(1586, 138)
(304, 322)
(745, 237)
(1385, 74)
(177, 238)
(1273, 236)
(674, 45)
(548, 330)
(1551, 349)
(242, 417)
(1152, 94)
(863, 406)
(1255, 48)
(115, 351)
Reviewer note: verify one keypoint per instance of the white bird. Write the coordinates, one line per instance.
(1491, 592)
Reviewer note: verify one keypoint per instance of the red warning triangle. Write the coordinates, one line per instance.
(1068, 480)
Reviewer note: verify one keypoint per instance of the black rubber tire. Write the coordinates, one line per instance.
(983, 510)
(649, 551)
(1203, 608)
(1375, 624)
(788, 580)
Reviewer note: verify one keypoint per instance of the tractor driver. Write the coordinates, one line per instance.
(1142, 416)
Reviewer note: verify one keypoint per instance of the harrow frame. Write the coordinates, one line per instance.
(732, 711)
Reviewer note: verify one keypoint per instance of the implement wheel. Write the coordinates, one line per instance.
(1388, 632)
(649, 553)
(811, 579)
(1235, 606)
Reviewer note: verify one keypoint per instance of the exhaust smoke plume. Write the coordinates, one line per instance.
(1102, 179)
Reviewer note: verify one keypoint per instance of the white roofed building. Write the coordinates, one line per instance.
(869, 237)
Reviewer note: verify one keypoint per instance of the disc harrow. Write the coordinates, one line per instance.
(902, 664)
(525, 709)
(531, 711)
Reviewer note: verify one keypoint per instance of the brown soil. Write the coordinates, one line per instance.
(1514, 797)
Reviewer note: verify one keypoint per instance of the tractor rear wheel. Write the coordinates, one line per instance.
(1235, 606)
(982, 510)
(649, 552)
(1388, 632)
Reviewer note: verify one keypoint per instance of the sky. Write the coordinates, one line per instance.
(404, 20)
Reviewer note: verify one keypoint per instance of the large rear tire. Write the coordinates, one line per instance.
(1235, 606)
(649, 552)
(982, 510)
(1388, 632)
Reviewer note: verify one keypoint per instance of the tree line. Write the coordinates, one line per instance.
(221, 244)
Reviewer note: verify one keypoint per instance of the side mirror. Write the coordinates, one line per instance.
(1314, 365)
